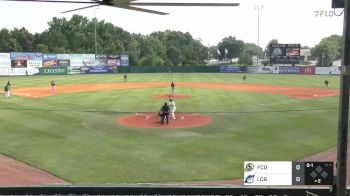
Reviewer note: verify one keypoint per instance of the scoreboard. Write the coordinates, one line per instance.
(284, 53)
(287, 173)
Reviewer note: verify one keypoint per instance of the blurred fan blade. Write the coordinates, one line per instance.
(141, 10)
(182, 4)
(80, 8)
(54, 1)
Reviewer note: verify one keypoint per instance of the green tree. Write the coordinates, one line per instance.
(151, 60)
(24, 38)
(267, 48)
(326, 52)
(233, 46)
(245, 59)
(42, 48)
(253, 49)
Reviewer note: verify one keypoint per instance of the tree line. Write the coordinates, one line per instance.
(77, 35)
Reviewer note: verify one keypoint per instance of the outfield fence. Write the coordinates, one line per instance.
(21, 63)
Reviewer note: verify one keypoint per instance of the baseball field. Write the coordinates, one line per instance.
(79, 134)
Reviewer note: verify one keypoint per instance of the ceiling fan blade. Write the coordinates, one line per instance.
(140, 9)
(80, 8)
(53, 1)
(182, 4)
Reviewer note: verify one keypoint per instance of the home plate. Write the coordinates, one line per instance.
(315, 95)
(27, 94)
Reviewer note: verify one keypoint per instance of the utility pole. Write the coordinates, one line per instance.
(258, 7)
(343, 106)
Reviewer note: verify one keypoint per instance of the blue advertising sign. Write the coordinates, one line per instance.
(49, 57)
(63, 57)
(26, 56)
(124, 60)
(230, 69)
(289, 70)
(97, 70)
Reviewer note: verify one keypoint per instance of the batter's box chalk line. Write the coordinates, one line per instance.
(147, 116)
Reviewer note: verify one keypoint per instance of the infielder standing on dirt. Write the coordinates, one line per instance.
(125, 78)
(6, 89)
(8, 92)
(53, 84)
(172, 108)
(172, 86)
(326, 82)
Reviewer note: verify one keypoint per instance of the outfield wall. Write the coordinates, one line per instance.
(304, 70)
(169, 69)
(28, 63)
(21, 63)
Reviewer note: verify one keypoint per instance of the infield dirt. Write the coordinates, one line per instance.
(295, 92)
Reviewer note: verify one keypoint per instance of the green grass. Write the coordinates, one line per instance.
(76, 137)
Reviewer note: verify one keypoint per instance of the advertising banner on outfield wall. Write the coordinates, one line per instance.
(310, 70)
(18, 63)
(63, 57)
(5, 64)
(252, 69)
(61, 70)
(28, 56)
(113, 62)
(50, 60)
(265, 69)
(73, 70)
(17, 71)
(5, 60)
(76, 60)
(62, 62)
(95, 62)
(34, 64)
(124, 60)
(4, 71)
(97, 70)
(5, 56)
(289, 70)
(328, 70)
(230, 69)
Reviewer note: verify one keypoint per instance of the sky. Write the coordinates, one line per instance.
(292, 21)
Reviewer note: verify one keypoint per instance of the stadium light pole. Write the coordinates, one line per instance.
(343, 122)
(95, 30)
(258, 7)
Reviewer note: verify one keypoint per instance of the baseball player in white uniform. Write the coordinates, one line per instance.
(172, 108)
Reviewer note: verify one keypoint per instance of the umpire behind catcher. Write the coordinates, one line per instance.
(164, 113)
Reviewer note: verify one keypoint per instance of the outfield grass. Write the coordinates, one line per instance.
(76, 137)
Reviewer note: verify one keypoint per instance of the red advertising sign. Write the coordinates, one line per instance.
(308, 70)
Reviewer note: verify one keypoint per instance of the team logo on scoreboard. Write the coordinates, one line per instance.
(249, 179)
(249, 167)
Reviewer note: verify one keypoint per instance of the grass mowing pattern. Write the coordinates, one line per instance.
(60, 135)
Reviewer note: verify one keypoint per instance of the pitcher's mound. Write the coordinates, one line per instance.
(176, 96)
(152, 120)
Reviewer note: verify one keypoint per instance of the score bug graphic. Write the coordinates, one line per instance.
(287, 173)
(318, 173)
